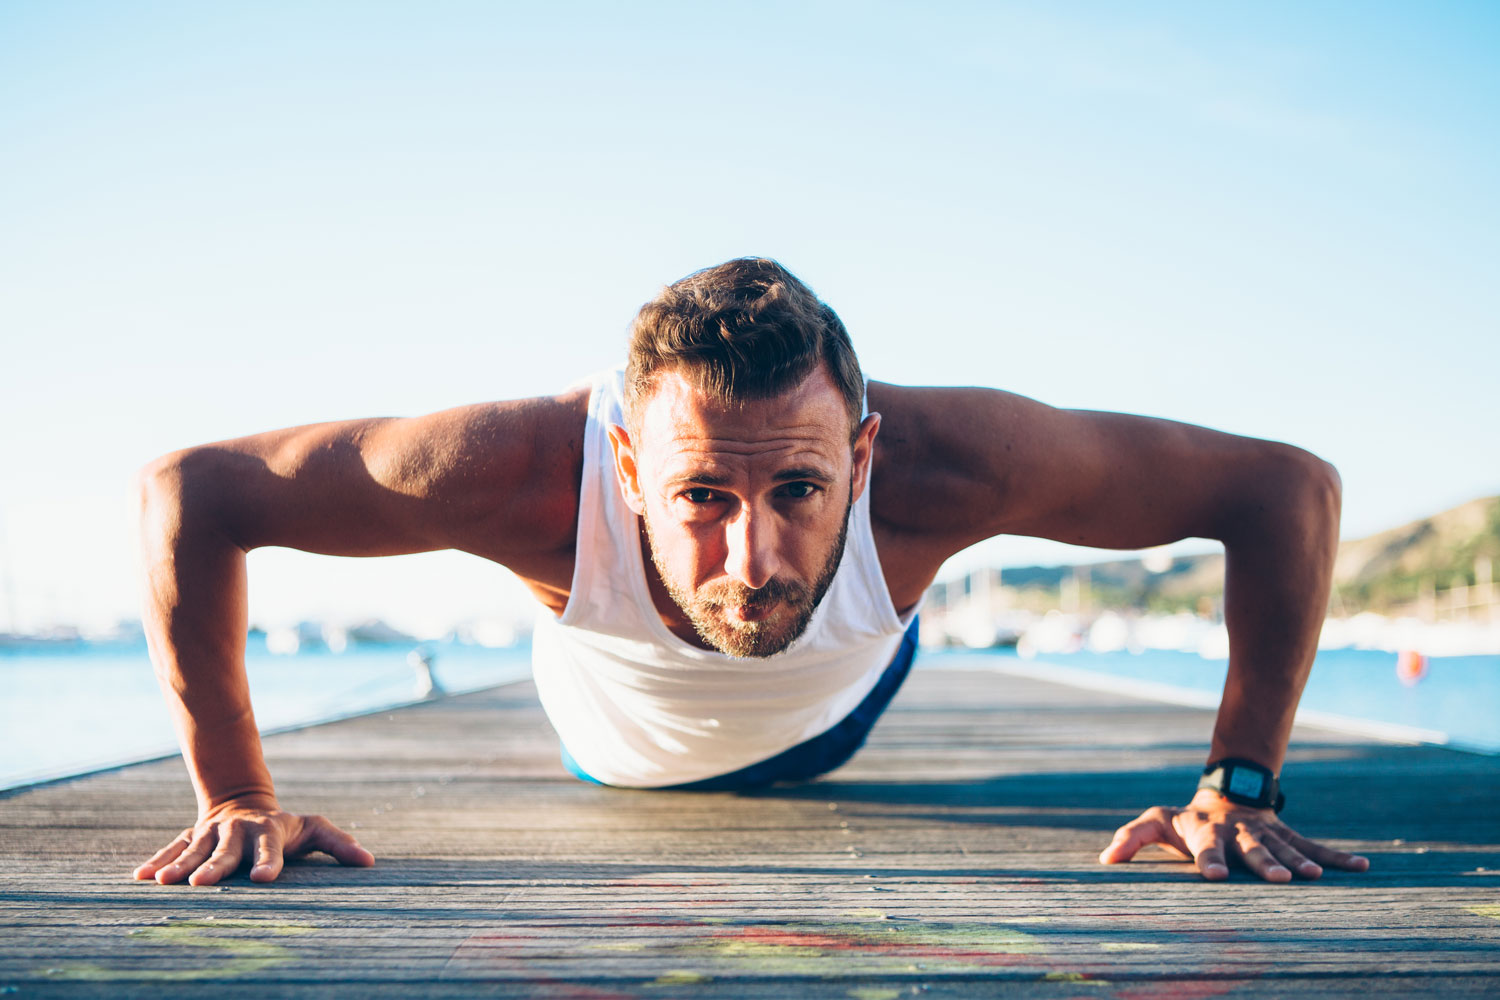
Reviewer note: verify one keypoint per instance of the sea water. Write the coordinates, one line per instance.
(75, 708)
(79, 707)
(1456, 702)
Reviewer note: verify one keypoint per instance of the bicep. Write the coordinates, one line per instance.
(1116, 480)
(969, 464)
(470, 478)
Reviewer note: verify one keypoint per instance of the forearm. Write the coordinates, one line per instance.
(1279, 567)
(195, 617)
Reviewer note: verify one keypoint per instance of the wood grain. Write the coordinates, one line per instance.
(955, 856)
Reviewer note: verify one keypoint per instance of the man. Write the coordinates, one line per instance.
(732, 540)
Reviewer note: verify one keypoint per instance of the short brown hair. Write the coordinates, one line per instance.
(746, 329)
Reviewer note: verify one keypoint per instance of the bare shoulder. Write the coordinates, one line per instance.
(938, 476)
(502, 477)
(946, 457)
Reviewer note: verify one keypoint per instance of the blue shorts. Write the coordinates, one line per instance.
(811, 757)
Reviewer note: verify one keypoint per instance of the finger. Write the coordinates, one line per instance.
(191, 857)
(326, 837)
(1327, 856)
(1211, 863)
(1258, 858)
(224, 860)
(1152, 827)
(1207, 844)
(1300, 864)
(153, 864)
(267, 857)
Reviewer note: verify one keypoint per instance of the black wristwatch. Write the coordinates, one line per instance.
(1243, 781)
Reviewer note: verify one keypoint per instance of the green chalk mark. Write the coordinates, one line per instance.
(861, 948)
(1486, 910)
(866, 913)
(874, 993)
(243, 956)
(681, 977)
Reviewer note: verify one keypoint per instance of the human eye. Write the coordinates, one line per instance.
(799, 490)
(698, 495)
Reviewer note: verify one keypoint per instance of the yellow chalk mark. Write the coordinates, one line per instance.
(866, 913)
(759, 950)
(1486, 910)
(1129, 946)
(681, 977)
(873, 993)
(242, 955)
(1073, 977)
(861, 947)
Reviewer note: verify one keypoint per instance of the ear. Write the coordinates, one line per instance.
(864, 451)
(627, 472)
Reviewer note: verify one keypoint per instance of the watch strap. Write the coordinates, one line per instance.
(1243, 782)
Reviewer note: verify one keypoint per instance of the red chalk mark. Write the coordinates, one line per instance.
(874, 947)
(633, 883)
(477, 949)
(784, 938)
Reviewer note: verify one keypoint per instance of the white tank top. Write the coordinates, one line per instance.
(637, 706)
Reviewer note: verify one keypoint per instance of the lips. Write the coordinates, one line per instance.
(751, 612)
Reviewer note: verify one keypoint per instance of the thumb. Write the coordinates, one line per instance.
(1152, 827)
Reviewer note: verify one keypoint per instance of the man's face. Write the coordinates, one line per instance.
(746, 507)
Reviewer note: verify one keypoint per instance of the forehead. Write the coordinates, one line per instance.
(680, 427)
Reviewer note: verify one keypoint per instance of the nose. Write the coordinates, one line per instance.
(752, 550)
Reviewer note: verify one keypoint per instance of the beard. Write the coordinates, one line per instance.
(763, 637)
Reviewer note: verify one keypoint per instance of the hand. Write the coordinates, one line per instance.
(1212, 830)
(256, 830)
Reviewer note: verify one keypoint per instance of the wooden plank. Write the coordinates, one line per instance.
(955, 856)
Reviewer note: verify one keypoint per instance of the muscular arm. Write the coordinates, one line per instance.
(974, 463)
(498, 480)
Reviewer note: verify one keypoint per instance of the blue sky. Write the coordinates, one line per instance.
(1280, 220)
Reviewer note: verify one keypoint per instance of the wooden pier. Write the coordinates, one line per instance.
(955, 857)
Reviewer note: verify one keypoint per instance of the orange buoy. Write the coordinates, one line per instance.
(1411, 667)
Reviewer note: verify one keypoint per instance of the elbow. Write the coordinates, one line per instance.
(158, 487)
(159, 491)
(1295, 492)
(1282, 488)
(177, 494)
(1321, 490)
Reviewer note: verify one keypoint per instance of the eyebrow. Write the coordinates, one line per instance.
(795, 474)
(802, 472)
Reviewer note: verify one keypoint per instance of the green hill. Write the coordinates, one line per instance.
(1388, 571)
(1385, 572)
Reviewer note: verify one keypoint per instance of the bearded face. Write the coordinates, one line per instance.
(739, 621)
(745, 507)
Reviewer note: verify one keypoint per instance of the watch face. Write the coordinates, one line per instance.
(1243, 781)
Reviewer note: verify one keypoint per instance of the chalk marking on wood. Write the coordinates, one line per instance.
(249, 955)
